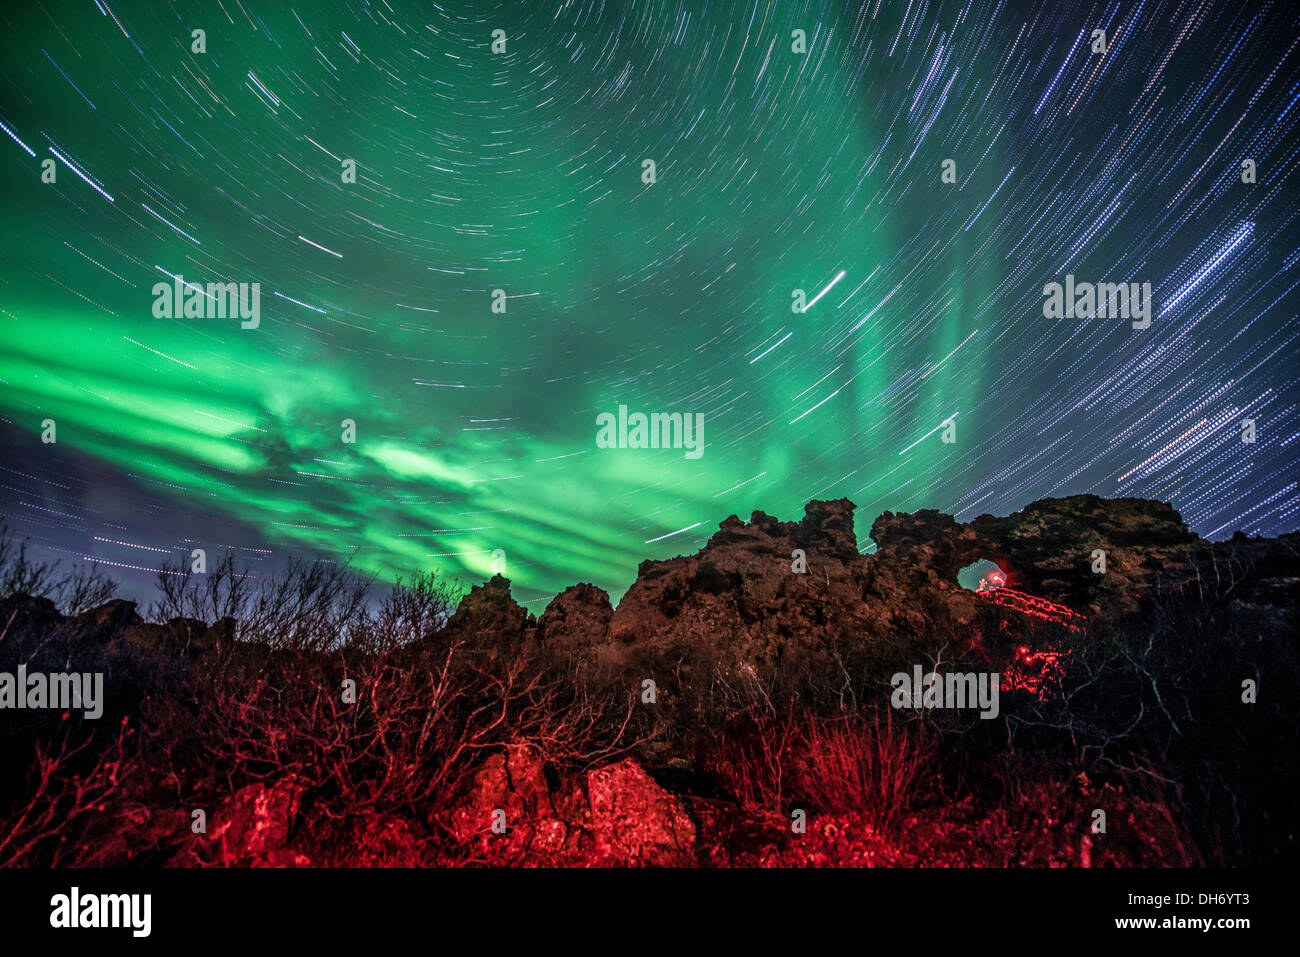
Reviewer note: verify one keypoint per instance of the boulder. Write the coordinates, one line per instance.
(636, 822)
(253, 822)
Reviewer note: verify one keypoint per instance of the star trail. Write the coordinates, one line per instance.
(838, 260)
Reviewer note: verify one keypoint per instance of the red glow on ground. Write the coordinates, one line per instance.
(1035, 606)
(1035, 671)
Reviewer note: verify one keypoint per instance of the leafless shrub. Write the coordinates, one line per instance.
(69, 789)
(855, 764)
(409, 743)
(413, 609)
(73, 591)
(308, 606)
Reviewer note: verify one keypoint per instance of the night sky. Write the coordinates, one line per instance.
(522, 171)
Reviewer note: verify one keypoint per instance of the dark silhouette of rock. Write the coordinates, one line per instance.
(573, 617)
(489, 615)
(741, 593)
(1048, 549)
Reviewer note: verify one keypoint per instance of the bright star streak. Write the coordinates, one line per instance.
(930, 433)
(320, 247)
(770, 348)
(671, 534)
(823, 292)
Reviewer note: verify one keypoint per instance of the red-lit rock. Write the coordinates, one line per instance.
(635, 821)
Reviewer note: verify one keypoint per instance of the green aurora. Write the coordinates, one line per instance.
(522, 171)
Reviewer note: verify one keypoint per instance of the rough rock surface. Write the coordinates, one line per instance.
(615, 815)
(574, 616)
(252, 824)
(741, 586)
(741, 590)
(1048, 548)
(739, 609)
(635, 821)
(489, 615)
